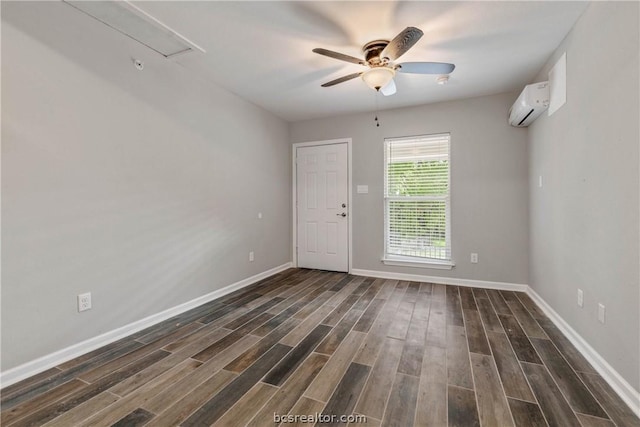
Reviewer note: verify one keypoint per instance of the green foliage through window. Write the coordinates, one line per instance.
(418, 178)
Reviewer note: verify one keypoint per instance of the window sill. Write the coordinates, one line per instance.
(412, 262)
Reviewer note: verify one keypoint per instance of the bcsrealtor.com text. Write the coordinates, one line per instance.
(318, 418)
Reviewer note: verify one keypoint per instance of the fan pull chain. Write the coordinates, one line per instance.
(377, 111)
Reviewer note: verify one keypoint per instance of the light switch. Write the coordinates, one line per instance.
(362, 189)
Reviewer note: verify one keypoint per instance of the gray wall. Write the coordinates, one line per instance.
(140, 187)
(489, 200)
(584, 220)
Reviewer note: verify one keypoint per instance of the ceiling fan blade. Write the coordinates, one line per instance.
(401, 43)
(425, 67)
(340, 56)
(389, 89)
(341, 79)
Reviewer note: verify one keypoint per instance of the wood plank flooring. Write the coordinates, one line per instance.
(304, 342)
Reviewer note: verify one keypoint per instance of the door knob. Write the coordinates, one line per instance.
(342, 214)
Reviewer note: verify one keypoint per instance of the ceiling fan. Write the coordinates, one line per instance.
(380, 56)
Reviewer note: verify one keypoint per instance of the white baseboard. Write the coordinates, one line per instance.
(626, 392)
(43, 363)
(503, 286)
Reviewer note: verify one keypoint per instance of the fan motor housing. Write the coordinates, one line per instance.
(372, 51)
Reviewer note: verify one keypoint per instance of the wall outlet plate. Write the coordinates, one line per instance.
(84, 302)
(474, 258)
(251, 256)
(600, 312)
(580, 298)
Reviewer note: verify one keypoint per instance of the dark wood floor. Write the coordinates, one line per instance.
(304, 341)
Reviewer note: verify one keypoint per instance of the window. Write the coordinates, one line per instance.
(417, 202)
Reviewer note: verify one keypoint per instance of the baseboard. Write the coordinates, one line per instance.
(503, 286)
(43, 363)
(626, 392)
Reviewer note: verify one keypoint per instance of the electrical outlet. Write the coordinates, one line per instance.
(251, 257)
(540, 181)
(580, 298)
(474, 258)
(601, 312)
(84, 302)
(259, 215)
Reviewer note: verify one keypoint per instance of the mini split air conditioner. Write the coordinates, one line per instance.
(533, 100)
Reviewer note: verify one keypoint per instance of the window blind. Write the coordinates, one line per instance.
(417, 211)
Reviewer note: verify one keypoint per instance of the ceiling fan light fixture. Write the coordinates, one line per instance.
(379, 77)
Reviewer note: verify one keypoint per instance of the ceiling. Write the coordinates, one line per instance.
(262, 50)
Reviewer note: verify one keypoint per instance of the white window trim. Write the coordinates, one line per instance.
(401, 261)
(404, 261)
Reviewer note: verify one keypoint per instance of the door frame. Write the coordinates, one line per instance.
(294, 204)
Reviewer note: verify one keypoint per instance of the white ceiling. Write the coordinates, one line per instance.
(262, 50)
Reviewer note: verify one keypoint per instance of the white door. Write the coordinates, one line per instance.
(322, 211)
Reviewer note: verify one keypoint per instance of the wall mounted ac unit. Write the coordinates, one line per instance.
(533, 100)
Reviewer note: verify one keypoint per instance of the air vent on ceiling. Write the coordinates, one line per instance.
(137, 24)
